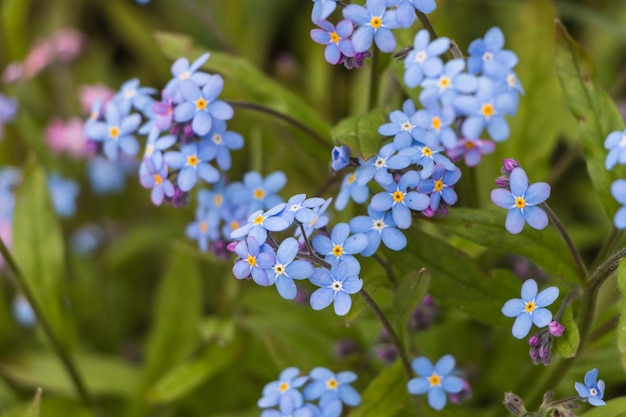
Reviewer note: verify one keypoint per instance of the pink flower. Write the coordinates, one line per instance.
(67, 137)
(12, 72)
(39, 57)
(89, 94)
(67, 44)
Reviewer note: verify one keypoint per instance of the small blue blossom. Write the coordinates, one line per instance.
(192, 161)
(488, 57)
(440, 186)
(487, 109)
(436, 380)
(220, 142)
(259, 223)
(378, 167)
(592, 391)
(618, 190)
(615, 143)
(155, 145)
(286, 269)
(132, 95)
(260, 193)
(23, 312)
(350, 188)
(306, 410)
(436, 122)
(522, 202)
(322, 9)
(284, 392)
(340, 246)
(300, 208)
(530, 308)
(320, 219)
(201, 106)
(115, 132)
(63, 193)
(335, 287)
(375, 23)
(105, 176)
(204, 229)
(451, 82)
(156, 179)
(423, 60)
(471, 150)
(87, 239)
(336, 39)
(378, 226)
(405, 10)
(402, 126)
(253, 260)
(400, 200)
(340, 157)
(181, 70)
(326, 385)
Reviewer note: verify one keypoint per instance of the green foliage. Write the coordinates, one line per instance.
(613, 408)
(621, 326)
(360, 133)
(567, 344)
(407, 297)
(385, 395)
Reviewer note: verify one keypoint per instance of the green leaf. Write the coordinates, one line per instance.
(613, 408)
(621, 326)
(567, 344)
(360, 133)
(260, 88)
(597, 115)
(39, 250)
(409, 294)
(103, 375)
(385, 395)
(486, 228)
(457, 279)
(34, 409)
(177, 311)
(188, 376)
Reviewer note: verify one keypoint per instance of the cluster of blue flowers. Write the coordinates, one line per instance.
(187, 136)
(292, 394)
(615, 143)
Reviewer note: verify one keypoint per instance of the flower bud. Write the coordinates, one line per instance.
(556, 329)
(508, 165)
(340, 157)
(514, 404)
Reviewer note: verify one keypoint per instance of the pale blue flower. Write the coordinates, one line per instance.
(336, 286)
(436, 380)
(375, 23)
(530, 308)
(592, 390)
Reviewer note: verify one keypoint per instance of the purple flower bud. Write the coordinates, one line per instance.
(344, 348)
(503, 182)
(464, 394)
(355, 61)
(387, 353)
(555, 328)
(534, 340)
(508, 165)
(340, 157)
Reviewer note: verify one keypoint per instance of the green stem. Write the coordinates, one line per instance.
(608, 246)
(374, 81)
(285, 117)
(385, 265)
(63, 355)
(391, 332)
(580, 266)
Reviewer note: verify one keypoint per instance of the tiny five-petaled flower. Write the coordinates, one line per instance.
(591, 390)
(530, 308)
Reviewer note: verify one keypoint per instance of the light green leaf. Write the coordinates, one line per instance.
(409, 294)
(597, 115)
(567, 343)
(486, 228)
(185, 378)
(260, 88)
(34, 409)
(177, 311)
(621, 326)
(39, 250)
(360, 133)
(385, 395)
(613, 408)
(103, 375)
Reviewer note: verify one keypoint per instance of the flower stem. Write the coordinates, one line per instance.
(285, 117)
(580, 266)
(63, 355)
(385, 265)
(391, 332)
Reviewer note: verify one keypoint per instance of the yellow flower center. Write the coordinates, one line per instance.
(438, 185)
(334, 37)
(332, 383)
(114, 132)
(469, 145)
(218, 200)
(258, 193)
(149, 150)
(398, 196)
(252, 262)
(487, 110)
(426, 151)
(530, 307)
(234, 225)
(376, 22)
(204, 226)
(284, 386)
(444, 82)
(279, 269)
(259, 219)
(201, 104)
(157, 179)
(436, 123)
(184, 75)
(520, 203)
(434, 380)
(351, 178)
(337, 250)
(192, 160)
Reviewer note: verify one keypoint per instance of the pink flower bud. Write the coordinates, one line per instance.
(556, 329)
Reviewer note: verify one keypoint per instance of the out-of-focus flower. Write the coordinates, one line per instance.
(67, 137)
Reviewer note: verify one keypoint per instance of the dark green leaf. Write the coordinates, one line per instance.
(177, 312)
(360, 133)
(260, 88)
(613, 408)
(385, 395)
(188, 376)
(409, 294)
(621, 326)
(39, 249)
(597, 115)
(103, 375)
(567, 343)
(486, 228)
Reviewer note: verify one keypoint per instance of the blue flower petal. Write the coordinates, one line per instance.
(321, 298)
(437, 398)
(541, 317)
(536, 217)
(513, 307)
(514, 221)
(418, 386)
(343, 302)
(522, 325)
